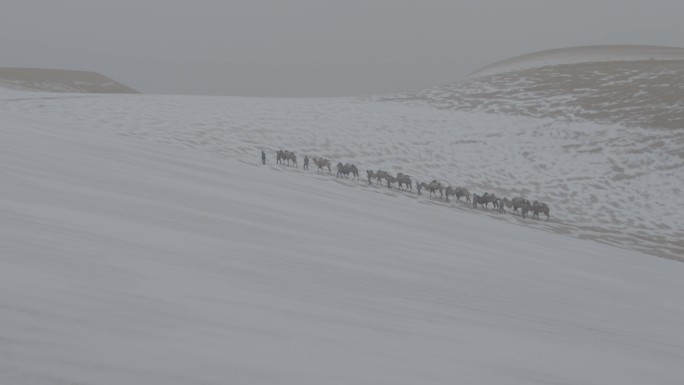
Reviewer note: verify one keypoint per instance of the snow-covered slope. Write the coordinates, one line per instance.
(606, 182)
(640, 86)
(141, 242)
(54, 80)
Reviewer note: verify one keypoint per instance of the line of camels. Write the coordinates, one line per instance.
(404, 182)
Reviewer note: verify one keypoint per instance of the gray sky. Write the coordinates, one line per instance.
(312, 47)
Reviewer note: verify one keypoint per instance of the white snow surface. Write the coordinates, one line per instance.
(605, 182)
(142, 242)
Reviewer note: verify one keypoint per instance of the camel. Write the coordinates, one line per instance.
(485, 199)
(370, 174)
(433, 187)
(449, 191)
(354, 170)
(461, 192)
(291, 156)
(342, 171)
(518, 203)
(322, 162)
(458, 192)
(284, 155)
(345, 169)
(404, 180)
(380, 174)
(539, 207)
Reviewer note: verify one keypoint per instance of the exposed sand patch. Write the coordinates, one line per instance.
(640, 86)
(583, 54)
(52, 80)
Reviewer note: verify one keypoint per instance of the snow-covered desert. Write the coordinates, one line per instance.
(143, 242)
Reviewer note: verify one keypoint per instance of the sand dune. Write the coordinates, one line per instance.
(53, 80)
(629, 85)
(583, 54)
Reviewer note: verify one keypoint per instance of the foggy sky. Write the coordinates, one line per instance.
(312, 47)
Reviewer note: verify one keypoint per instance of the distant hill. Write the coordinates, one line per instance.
(629, 85)
(54, 80)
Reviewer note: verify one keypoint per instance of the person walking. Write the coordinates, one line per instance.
(263, 157)
(306, 162)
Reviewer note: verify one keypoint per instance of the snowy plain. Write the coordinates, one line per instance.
(141, 242)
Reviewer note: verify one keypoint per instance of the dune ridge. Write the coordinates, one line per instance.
(581, 54)
(58, 80)
(638, 86)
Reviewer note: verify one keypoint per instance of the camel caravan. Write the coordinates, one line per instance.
(519, 205)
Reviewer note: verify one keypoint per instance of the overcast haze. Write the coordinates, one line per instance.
(312, 47)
